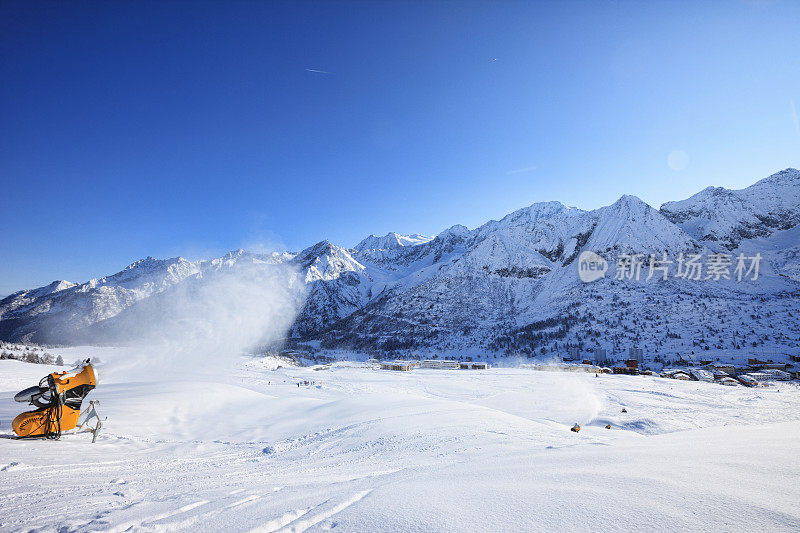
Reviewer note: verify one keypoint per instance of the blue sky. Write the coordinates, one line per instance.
(163, 129)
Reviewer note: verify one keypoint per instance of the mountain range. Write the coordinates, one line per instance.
(509, 287)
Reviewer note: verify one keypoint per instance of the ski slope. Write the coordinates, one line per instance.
(429, 450)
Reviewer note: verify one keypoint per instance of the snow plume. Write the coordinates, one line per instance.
(197, 329)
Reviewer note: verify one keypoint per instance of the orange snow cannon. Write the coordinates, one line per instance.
(58, 397)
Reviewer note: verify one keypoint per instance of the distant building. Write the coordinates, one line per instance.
(636, 353)
(601, 356)
(748, 381)
(573, 354)
(755, 364)
(776, 374)
(702, 375)
(439, 363)
(473, 365)
(729, 370)
(631, 367)
(776, 366)
(678, 374)
(402, 366)
(765, 375)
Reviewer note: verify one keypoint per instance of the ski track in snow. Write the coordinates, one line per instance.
(431, 450)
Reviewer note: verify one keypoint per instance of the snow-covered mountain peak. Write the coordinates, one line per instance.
(240, 256)
(231, 258)
(632, 225)
(315, 250)
(786, 176)
(541, 214)
(392, 241)
(326, 261)
(60, 285)
(723, 217)
(234, 254)
(148, 261)
(52, 288)
(533, 214)
(630, 203)
(414, 239)
(707, 201)
(148, 265)
(456, 230)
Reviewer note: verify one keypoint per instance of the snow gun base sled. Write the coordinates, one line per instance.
(58, 398)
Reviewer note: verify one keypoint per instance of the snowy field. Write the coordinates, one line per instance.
(430, 450)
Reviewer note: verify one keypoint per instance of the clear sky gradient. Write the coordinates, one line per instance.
(187, 128)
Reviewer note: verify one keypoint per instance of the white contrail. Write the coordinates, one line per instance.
(521, 170)
(317, 71)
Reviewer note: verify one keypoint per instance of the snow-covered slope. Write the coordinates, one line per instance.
(631, 225)
(359, 449)
(508, 287)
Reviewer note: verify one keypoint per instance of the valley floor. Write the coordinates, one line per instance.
(360, 449)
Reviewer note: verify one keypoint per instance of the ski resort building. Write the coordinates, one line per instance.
(631, 367)
(401, 366)
(601, 357)
(439, 363)
(702, 375)
(678, 374)
(769, 374)
(565, 368)
(776, 366)
(473, 365)
(755, 364)
(729, 370)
